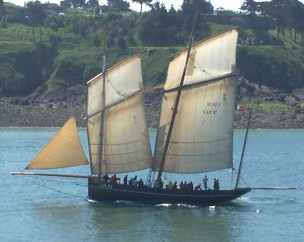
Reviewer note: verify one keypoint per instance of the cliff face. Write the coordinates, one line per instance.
(51, 106)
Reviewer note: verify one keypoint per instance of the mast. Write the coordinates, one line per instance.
(179, 92)
(243, 150)
(177, 99)
(103, 94)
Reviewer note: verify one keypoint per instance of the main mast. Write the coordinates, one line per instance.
(176, 103)
(103, 94)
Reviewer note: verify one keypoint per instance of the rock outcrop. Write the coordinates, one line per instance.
(51, 106)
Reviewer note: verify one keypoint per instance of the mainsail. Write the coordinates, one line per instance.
(63, 150)
(202, 134)
(125, 142)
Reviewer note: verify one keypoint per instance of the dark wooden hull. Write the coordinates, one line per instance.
(102, 192)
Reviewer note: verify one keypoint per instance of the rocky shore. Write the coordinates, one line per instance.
(51, 106)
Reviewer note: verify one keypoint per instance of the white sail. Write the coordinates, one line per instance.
(125, 142)
(210, 59)
(202, 133)
(64, 150)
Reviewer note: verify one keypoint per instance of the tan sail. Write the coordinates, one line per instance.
(63, 150)
(126, 146)
(203, 129)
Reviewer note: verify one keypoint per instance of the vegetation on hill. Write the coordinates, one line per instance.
(47, 43)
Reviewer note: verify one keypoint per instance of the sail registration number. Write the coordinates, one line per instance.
(211, 106)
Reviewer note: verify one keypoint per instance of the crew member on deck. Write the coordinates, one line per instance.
(106, 178)
(175, 185)
(181, 186)
(170, 185)
(125, 180)
(205, 180)
(216, 184)
(140, 183)
(190, 185)
(113, 179)
(134, 183)
(198, 187)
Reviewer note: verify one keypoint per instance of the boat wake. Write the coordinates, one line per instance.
(117, 202)
(92, 201)
(268, 200)
(180, 205)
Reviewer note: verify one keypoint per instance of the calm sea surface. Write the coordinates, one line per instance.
(57, 209)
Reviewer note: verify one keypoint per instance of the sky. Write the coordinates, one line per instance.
(226, 4)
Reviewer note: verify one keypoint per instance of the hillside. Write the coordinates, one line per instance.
(44, 65)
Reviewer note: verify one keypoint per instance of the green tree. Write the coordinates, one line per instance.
(2, 14)
(65, 3)
(119, 4)
(250, 7)
(121, 43)
(79, 25)
(294, 16)
(141, 2)
(94, 4)
(36, 16)
(111, 28)
(277, 9)
(2, 10)
(188, 10)
(159, 27)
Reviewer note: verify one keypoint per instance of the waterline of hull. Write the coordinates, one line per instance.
(144, 195)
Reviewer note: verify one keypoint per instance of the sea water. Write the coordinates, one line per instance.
(57, 209)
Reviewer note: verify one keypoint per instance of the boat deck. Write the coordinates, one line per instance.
(113, 192)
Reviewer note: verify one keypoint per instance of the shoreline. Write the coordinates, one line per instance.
(55, 114)
(52, 105)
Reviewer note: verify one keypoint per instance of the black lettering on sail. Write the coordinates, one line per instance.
(210, 112)
(213, 104)
(212, 108)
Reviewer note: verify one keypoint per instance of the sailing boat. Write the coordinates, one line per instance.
(194, 133)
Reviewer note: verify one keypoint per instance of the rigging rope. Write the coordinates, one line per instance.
(116, 90)
(37, 181)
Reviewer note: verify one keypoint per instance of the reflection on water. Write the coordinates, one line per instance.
(174, 223)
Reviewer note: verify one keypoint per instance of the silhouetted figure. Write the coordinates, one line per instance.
(175, 185)
(197, 187)
(130, 182)
(205, 180)
(106, 178)
(125, 180)
(113, 179)
(216, 185)
(190, 186)
(140, 183)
